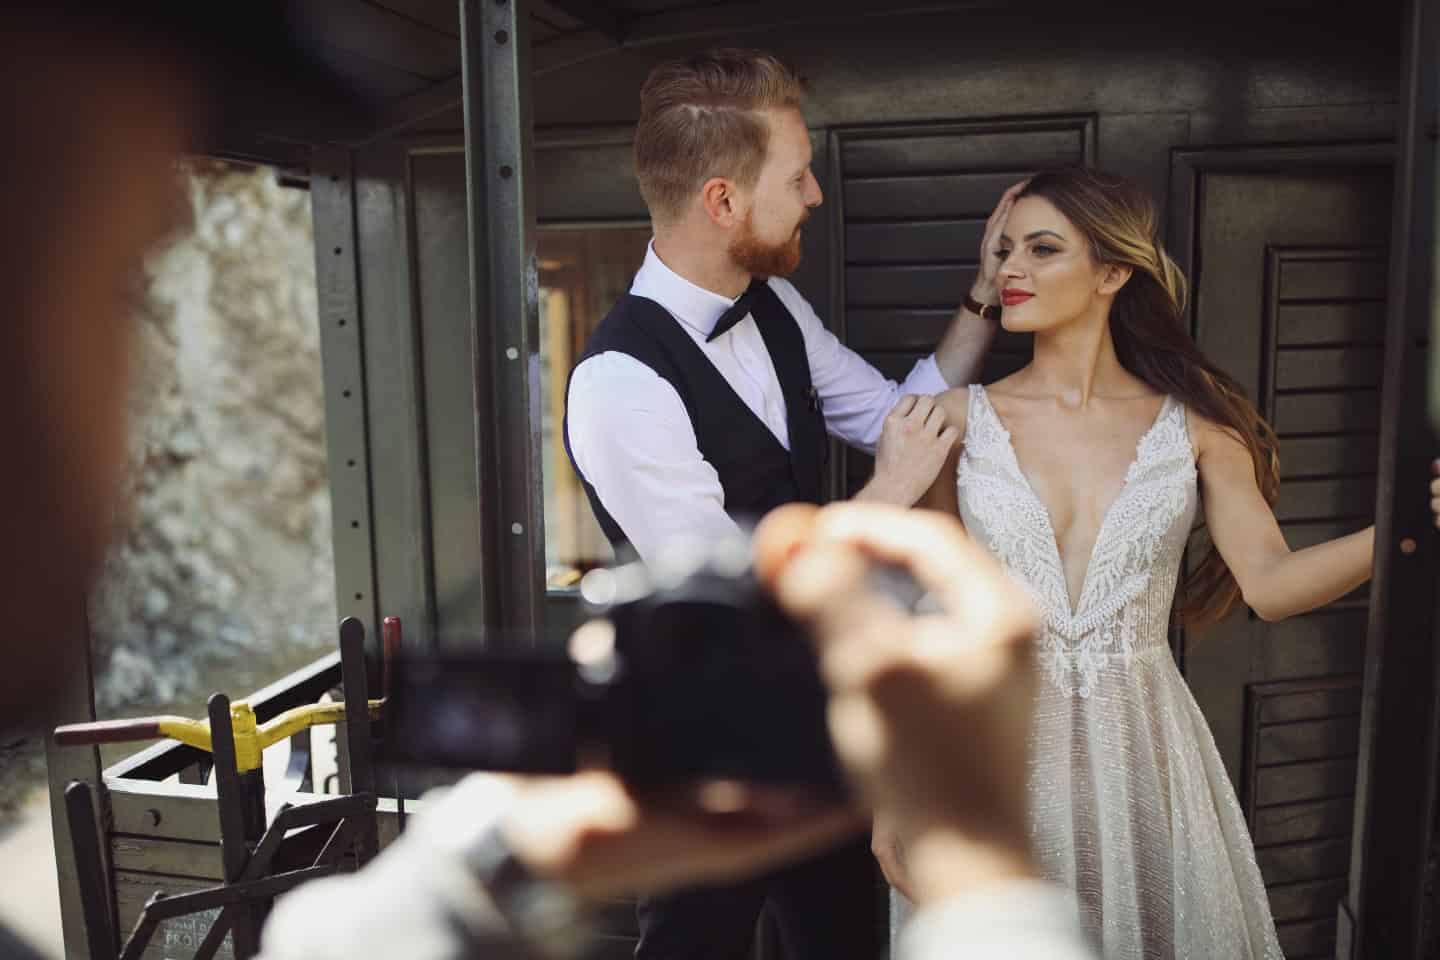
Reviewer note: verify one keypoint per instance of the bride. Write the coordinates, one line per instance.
(1083, 473)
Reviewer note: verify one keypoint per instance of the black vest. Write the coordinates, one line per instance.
(756, 472)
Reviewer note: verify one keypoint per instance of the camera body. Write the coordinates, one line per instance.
(695, 674)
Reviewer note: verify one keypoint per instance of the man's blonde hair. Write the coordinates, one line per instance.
(700, 118)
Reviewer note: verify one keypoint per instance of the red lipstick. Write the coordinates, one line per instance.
(1013, 298)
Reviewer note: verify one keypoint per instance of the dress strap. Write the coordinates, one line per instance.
(985, 434)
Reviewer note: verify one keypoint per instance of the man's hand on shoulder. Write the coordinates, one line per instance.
(914, 445)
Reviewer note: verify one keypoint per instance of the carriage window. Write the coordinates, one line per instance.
(219, 576)
(583, 271)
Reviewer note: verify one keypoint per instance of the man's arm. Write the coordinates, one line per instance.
(854, 397)
(634, 443)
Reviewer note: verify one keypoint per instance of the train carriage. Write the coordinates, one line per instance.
(469, 239)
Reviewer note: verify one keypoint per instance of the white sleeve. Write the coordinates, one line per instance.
(416, 900)
(634, 443)
(855, 396)
(1018, 921)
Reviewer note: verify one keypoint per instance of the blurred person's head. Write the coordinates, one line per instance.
(722, 153)
(100, 106)
(94, 126)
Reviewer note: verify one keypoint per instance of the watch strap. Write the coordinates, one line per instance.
(988, 311)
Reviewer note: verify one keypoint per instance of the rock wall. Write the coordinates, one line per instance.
(221, 573)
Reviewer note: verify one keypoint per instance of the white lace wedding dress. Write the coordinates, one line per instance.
(1130, 805)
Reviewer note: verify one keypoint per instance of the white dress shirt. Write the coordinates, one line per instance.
(634, 443)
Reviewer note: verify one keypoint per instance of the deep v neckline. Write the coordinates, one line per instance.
(1073, 605)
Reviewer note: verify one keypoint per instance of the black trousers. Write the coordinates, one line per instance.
(825, 908)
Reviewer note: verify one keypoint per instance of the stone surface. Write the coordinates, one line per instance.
(221, 575)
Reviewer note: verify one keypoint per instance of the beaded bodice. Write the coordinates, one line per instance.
(1123, 610)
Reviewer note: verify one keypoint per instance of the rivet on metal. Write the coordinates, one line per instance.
(502, 37)
(516, 529)
(512, 354)
(1408, 546)
(506, 172)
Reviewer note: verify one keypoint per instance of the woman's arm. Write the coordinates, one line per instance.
(1275, 581)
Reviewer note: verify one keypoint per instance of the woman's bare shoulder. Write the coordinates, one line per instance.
(1207, 436)
(1007, 390)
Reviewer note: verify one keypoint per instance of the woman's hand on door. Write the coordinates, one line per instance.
(1435, 491)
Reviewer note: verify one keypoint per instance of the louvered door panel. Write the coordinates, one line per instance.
(914, 202)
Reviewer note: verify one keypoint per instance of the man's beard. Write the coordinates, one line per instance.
(761, 259)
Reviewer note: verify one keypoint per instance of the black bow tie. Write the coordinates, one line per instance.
(737, 311)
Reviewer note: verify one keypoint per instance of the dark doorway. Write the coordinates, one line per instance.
(1289, 273)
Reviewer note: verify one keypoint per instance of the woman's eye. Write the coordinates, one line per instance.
(1002, 253)
(1042, 250)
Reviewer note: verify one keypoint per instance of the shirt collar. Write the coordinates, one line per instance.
(694, 306)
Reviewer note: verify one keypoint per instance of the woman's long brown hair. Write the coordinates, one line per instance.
(1152, 341)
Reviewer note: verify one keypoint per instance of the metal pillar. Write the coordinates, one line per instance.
(504, 304)
(76, 705)
(342, 352)
(1384, 913)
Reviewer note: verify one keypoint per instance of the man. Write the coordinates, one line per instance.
(706, 395)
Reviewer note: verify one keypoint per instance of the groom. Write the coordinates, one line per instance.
(706, 395)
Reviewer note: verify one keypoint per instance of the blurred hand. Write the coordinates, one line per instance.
(914, 444)
(595, 836)
(930, 714)
(985, 289)
(889, 852)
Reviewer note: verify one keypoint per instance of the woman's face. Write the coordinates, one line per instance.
(1047, 276)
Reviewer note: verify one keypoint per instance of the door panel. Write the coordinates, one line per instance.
(913, 206)
(1290, 292)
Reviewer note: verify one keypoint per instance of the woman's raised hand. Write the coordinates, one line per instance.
(985, 289)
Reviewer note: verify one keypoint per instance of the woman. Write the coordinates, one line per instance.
(1083, 472)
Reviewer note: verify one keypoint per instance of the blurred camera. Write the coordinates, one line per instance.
(687, 671)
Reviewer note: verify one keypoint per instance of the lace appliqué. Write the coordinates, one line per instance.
(1075, 648)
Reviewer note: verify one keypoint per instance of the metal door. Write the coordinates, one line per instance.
(1289, 272)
